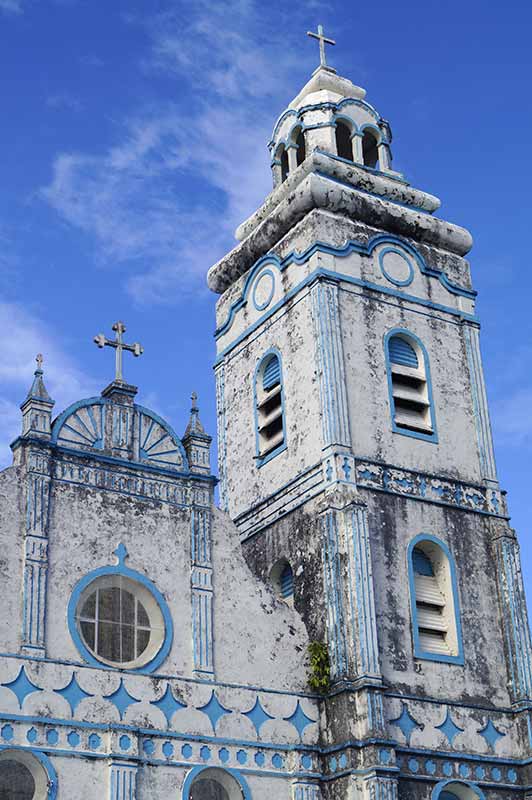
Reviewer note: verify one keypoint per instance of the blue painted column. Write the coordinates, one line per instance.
(330, 364)
(349, 591)
(380, 788)
(222, 443)
(123, 781)
(480, 402)
(305, 790)
(202, 592)
(36, 553)
(514, 614)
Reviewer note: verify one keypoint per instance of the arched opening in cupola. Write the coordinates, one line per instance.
(370, 150)
(344, 144)
(282, 155)
(301, 152)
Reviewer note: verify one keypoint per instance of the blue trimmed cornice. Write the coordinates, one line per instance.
(351, 246)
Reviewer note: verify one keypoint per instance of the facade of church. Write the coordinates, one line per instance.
(154, 646)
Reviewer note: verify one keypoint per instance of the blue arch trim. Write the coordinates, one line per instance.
(352, 246)
(46, 764)
(428, 437)
(444, 786)
(367, 126)
(196, 772)
(331, 106)
(137, 577)
(418, 651)
(105, 401)
(261, 460)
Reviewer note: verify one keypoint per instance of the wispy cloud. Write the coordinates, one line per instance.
(166, 199)
(29, 335)
(64, 100)
(11, 6)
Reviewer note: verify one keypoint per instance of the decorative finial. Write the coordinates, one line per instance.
(136, 348)
(121, 554)
(323, 40)
(39, 359)
(194, 398)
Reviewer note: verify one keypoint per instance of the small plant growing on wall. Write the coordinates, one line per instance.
(319, 669)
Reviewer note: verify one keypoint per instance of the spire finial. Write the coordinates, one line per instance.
(194, 398)
(39, 359)
(323, 40)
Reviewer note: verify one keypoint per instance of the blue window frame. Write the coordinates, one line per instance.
(436, 626)
(269, 408)
(409, 386)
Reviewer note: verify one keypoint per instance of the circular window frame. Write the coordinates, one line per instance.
(230, 779)
(153, 602)
(40, 767)
(405, 257)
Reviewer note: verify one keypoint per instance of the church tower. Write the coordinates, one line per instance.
(356, 460)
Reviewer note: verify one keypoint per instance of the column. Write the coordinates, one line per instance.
(480, 402)
(202, 592)
(305, 790)
(36, 554)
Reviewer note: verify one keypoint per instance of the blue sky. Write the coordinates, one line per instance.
(134, 142)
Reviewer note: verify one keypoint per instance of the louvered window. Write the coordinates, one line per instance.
(430, 605)
(269, 393)
(409, 386)
(434, 601)
(287, 582)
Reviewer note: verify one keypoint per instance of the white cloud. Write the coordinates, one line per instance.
(25, 336)
(166, 199)
(11, 6)
(512, 419)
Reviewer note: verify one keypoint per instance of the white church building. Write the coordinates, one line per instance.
(350, 623)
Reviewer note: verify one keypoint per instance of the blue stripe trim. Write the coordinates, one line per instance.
(352, 246)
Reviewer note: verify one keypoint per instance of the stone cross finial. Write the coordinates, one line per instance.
(39, 359)
(323, 40)
(194, 398)
(119, 345)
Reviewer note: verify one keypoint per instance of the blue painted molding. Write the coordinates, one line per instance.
(265, 303)
(480, 403)
(352, 246)
(282, 446)
(222, 435)
(95, 438)
(418, 651)
(444, 786)
(137, 577)
(406, 281)
(428, 437)
(195, 774)
(331, 365)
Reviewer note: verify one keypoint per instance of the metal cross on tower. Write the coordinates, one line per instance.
(323, 40)
(136, 348)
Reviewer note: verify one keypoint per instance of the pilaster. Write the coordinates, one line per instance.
(480, 403)
(202, 592)
(349, 590)
(122, 781)
(305, 790)
(514, 612)
(331, 366)
(222, 442)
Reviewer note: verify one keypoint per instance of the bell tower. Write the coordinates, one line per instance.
(356, 459)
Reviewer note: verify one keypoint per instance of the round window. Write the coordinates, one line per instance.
(120, 621)
(22, 776)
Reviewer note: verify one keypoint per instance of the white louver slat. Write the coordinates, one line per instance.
(427, 591)
(432, 643)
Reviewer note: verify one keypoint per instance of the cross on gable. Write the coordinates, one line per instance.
(323, 40)
(119, 345)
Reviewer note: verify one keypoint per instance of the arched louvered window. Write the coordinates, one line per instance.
(344, 144)
(282, 578)
(456, 790)
(301, 151)
(270, 408)
(409, 385)
(434, 600)
(370, 150)
(282, 159)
